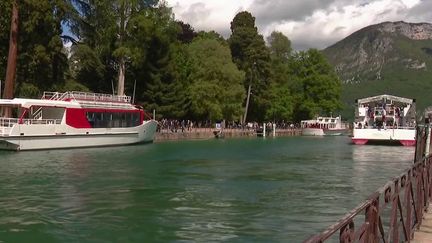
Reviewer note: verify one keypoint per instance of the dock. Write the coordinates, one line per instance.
(424, 234)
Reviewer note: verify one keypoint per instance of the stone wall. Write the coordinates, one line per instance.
(207, 133)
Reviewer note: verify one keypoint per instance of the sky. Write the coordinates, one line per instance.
(307, 23)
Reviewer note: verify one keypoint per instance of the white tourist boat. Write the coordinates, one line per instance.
(72, 120)
(324, 126)
(385, 119)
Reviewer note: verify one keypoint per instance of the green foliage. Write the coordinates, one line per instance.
(28, 90)
(186, 33)
(179, 73)
(212, 35)
(281, 105)
(251, 56)
(280, 99)
(317, 87)
(280, 46)
(70, 85)
(41, 61)
(5, 17)
(156, 72)
(86, 67)
(216, 91)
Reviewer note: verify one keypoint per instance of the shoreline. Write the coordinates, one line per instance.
(207, 133)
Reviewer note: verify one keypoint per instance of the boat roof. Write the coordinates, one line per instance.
(385, 97)
(27, 103)
(73, 99)
(323, 119)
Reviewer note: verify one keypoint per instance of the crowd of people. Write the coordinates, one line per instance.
(173, 125)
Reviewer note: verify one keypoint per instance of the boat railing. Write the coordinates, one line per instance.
(41, 121)
(86, 96)
(359, 126)
(10, 122)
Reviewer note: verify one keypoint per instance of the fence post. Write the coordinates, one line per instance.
(372, 216)
(428, 139)
(408, 203)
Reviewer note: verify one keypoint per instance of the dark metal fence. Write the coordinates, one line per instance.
(394, 211)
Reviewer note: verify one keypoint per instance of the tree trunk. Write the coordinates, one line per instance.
(122, 64)
(122, 69)
(12, 59)
(247, 103)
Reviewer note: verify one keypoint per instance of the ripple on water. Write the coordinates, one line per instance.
(247, 190)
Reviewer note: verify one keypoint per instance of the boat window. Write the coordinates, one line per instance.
(113, 119)
(326, 120)
(332, 120)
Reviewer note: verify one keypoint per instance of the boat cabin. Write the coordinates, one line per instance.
(385, 111)
(75, 109)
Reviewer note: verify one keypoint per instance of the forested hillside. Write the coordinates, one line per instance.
(178, 72)
(388, 58)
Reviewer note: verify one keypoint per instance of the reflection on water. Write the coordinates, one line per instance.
(382, 154)
(217, 190)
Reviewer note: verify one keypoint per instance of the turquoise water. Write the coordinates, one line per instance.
(233, 190)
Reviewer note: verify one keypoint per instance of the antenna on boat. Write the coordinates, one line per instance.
(133, 95)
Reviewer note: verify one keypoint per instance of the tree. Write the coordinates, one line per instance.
(251, 56)
(154, 63)
(316, 86)
(40, 61)
(216, 91)
(281, 101)
(280, 46)
(212, 35)
(104, 26)
(186, 33)
(12, 57)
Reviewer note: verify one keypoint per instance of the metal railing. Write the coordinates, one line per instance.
(407, 197)
(76, 95)
(10, 122)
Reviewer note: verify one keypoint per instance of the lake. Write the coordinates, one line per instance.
(235, 190)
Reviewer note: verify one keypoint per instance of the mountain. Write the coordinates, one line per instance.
(388, 58)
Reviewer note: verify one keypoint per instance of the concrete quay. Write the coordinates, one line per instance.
(207, 133)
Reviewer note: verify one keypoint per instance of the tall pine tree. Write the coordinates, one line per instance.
(251, 56)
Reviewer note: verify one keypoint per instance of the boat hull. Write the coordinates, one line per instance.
(405, 137)
(322, 132)
(312, 132)
(97, 138)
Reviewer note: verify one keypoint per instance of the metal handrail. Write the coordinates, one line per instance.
(10, 122)
(409, 195)
(388, 128)
(77, 95)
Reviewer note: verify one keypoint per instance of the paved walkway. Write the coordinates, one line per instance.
(424, 235)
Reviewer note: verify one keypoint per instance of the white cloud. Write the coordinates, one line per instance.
(410, 3)
(308, 23)
(208, 15)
